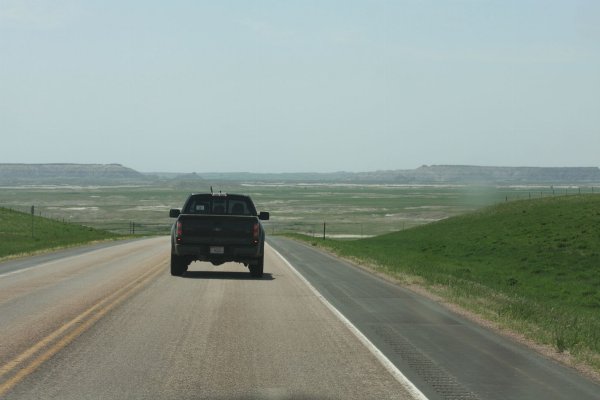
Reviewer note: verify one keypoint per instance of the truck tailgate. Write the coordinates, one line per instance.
(217, 229)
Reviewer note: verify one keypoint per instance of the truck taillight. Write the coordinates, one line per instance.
(179, 230)
(255, 233)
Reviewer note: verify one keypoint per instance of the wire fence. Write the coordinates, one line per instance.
(552, 191)
(335, 229)
(131, 227)
(120, 227)
(331, 228)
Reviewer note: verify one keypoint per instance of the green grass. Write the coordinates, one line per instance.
(16, 234)
(532, 266)
(351, 210)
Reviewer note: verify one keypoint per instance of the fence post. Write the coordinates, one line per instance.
(324, 229)
(32, 215)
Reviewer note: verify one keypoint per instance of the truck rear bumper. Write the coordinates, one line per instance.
(237, 253)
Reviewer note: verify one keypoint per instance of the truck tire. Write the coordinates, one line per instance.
(256, 269)
(178, 265)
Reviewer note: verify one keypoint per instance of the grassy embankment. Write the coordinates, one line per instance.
(531, 266)
(16, 238)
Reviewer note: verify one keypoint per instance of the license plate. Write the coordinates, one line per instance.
(217, 250)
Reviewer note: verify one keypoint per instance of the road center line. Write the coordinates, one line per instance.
(396, 373)
(83, 322)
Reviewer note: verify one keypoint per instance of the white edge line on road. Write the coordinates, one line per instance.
(18, 271)
(400, 377)
(47, 263)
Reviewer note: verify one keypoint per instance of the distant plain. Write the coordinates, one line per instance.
(346, 210)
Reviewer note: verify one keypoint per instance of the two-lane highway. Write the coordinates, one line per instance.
(113, 323)
(110, 322)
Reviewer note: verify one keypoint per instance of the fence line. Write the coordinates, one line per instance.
(329, 228)
(130, 227)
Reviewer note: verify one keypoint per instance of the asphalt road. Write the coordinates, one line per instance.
(111, 322)
(443, 354)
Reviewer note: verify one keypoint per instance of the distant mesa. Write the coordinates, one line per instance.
(500, 175)
(69, 174)
(431, 174)
(117, 174)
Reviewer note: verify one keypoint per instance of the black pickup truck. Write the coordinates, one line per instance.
(218, 228)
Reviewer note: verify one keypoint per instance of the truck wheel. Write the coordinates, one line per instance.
(256, 270)
(178, 265)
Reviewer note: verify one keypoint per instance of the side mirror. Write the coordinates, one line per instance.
(174, 212)
(263, 216)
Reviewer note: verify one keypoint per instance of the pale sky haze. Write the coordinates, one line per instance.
(291, 86)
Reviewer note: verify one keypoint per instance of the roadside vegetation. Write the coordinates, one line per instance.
(17, 236)
(532, 266)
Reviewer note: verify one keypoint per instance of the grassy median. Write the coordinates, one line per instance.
(532, 266)
(20, 233)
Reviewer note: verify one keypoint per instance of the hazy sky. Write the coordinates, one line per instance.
(290, 86)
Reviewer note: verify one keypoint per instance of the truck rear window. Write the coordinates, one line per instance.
(218, 206)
